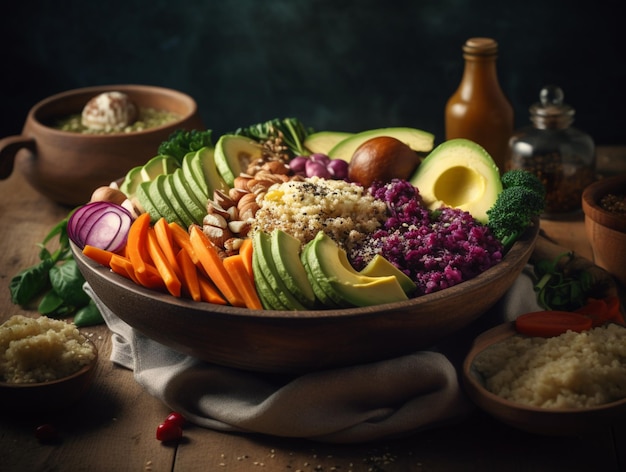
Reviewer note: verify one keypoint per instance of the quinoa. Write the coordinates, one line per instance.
(573, 370)
(436, 249)
(41, 349)
(344, 211)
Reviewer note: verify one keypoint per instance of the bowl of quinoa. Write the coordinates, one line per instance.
(563, 385)
(44, 359)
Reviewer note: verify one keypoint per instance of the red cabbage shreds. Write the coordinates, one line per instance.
(436, 249)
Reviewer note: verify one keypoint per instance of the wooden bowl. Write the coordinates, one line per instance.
(67, 166)
(606, 231)
(48, 396)
(300, 341)
(554, 422)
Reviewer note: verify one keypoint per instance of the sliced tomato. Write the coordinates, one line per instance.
(547, 324)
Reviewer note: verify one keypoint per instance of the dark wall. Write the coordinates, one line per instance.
(335, 64)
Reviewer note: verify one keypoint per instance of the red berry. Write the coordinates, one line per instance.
(46, 433)
(169, 431)
(175, 418)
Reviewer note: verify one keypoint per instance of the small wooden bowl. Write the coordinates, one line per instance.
(553, 422)
(606, 231)
(301, 341)
(67, 166)
(48, 396)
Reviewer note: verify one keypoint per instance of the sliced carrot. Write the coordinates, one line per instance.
(101, 256)
(209, 292)
(246, 252)
(122, 266)
(181, 238)
(165, 240)
(136, 247)
(547, 324)
(237, 269)
(189, 275)
(172, 282)
(210, 260)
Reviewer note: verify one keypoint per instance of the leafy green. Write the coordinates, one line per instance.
(55, 278)
(557, 290)
(289, 131)
(181, 142)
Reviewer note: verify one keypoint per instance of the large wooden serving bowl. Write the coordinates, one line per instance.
(301, 341)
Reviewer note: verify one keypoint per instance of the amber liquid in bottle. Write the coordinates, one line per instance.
(479, 110)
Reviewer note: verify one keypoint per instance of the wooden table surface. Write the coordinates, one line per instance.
(113, 428)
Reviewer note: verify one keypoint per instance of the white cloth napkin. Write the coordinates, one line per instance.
(361, 403)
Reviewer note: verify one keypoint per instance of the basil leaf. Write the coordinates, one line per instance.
(49, 303)
(30, 282)
(67, 281)
(88, 315)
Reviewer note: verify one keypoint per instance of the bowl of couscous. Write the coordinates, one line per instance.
(562, 385)
(77, 140)
(45, 364)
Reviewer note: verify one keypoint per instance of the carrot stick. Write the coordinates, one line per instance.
(214, 267)
(172, 282)
(546, 324)
(236, 267)
(246, 252)
(101, 256)
(136, 247)
(189, 275)
(209, 292)
(165, 240)
(122, 266)
(181, 238)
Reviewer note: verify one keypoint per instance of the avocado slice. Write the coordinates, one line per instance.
(131, 180)
(323, 292)
(158, 165)
(378, 266)
(416, 139)
(187, 197)
(459, 173)
(145, 201)
(212, 177)
(269, 298)
(323, 141)
(233, 153)
(329, 264)
(166, 189)
(191, 171)
(285, 252)
(162, 201)
(262, 251)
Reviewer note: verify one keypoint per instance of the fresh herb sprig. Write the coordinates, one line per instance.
(560, 290)
(291, 131)
(57, 280)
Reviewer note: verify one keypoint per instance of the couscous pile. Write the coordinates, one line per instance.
(41, 349)
(573, 370)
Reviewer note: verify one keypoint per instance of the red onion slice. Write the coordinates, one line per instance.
(104, 225)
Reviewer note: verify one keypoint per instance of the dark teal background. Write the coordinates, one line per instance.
(335, 64)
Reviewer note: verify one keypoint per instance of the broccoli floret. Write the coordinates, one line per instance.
(523, 178)
(181, 142)
(513, 212)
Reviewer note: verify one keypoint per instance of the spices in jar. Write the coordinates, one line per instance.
(614, 203)
(561, 156)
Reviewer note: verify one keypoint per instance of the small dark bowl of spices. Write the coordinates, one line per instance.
(604, 205)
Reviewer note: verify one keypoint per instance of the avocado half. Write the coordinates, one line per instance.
(459, 173)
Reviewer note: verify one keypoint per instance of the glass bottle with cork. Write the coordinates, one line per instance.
(479, 109)
(562, 156)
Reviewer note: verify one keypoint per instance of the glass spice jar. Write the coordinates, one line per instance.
(562, 156)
